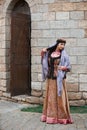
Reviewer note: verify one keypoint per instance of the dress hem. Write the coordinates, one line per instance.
(51, 120)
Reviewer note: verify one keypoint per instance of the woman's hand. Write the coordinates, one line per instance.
(43, 51)
(62, 68)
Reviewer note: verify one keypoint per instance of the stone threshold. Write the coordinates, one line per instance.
(22, 98)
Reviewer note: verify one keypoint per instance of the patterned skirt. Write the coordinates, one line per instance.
(56, 108)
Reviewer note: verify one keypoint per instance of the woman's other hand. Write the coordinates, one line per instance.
(43, 51)
(62, 68)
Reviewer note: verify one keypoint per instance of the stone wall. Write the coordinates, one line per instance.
(50, 19)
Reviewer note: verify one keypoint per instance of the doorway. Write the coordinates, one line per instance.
(20, 53)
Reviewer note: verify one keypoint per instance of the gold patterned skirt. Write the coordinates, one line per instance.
(56, 108)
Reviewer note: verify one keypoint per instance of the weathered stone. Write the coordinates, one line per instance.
(77, 103)
(74, 96)
(72, 87)
(32, 99)
(85, 32)
(36, 85)
(82, 59)
(48, 1)
(36, 33)
(37, 16)
(82, 42)
(36, 51)
(82, 24)
(36, 68)
(6, 94)
(41, 100)
(49, 16)
(83, 78)
(64, 33)
(79, 69)
(63, 24)
(36, 59)
(83, 87)
(79, 33)
(86, 15)
(62, 15)
(3, 89)
(73, 59)
(81, 6)
(34, 77)
(71, 6)
(84, 95)
(49, 33)
(36, 93)
(40, 77)
(72, 78)
(55, 7)
(1, 93)
(77, 15)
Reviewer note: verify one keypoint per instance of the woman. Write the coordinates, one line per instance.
(55, 65)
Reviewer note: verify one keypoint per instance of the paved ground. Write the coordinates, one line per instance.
(11, 118)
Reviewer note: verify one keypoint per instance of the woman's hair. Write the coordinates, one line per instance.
(53, 48)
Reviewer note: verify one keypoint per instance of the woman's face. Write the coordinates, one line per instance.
(61, 46)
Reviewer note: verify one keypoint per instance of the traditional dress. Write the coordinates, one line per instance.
(55, 108)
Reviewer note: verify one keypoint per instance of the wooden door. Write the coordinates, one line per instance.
(20, 55)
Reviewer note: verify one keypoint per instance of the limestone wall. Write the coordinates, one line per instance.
(51, 19)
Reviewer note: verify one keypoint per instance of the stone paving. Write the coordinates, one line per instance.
(11, 118)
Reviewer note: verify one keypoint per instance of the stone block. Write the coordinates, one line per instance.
(36, 33)
(86, 15)
(82, 24)
(86, 33)
(36, 85)
(72, 87)
(49, 33)
(62, 15)
(48, 1)
(36, 68)
(33, 100)
(43, 8)
(63, 24)
(44, 94)
(62, 33)
(82, 60)
(43, 25)
(3, 88)
(1, 93)
(36, 93)
(5, 75)
(40, 77)
(3, 67)
(72, 78)
(36, 60)
(36, 17)
(83, 87)
(73, 59)
(77, 51)
(41, 100)
(34, 77)
(77, 103)
(36, 51)
(67, 6)
(8, 95)
(45, 42)
(79, 69)
(77, 15)
(34, 42)
(81, 6)
(49, 16)
(77, 33)
(83, 78)
(82, 42)
(74, 95)
(55, 7)
(85, 95)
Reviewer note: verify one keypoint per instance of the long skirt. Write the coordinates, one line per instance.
(56, 108)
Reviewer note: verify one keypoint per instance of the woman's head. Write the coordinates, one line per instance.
(60, 44)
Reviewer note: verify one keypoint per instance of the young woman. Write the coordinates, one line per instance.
(55, 65)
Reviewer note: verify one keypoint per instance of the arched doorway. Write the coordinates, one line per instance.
(20, 52)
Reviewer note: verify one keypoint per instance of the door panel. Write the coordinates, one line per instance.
(20, 55)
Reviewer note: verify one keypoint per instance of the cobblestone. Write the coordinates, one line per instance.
(11, 118)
